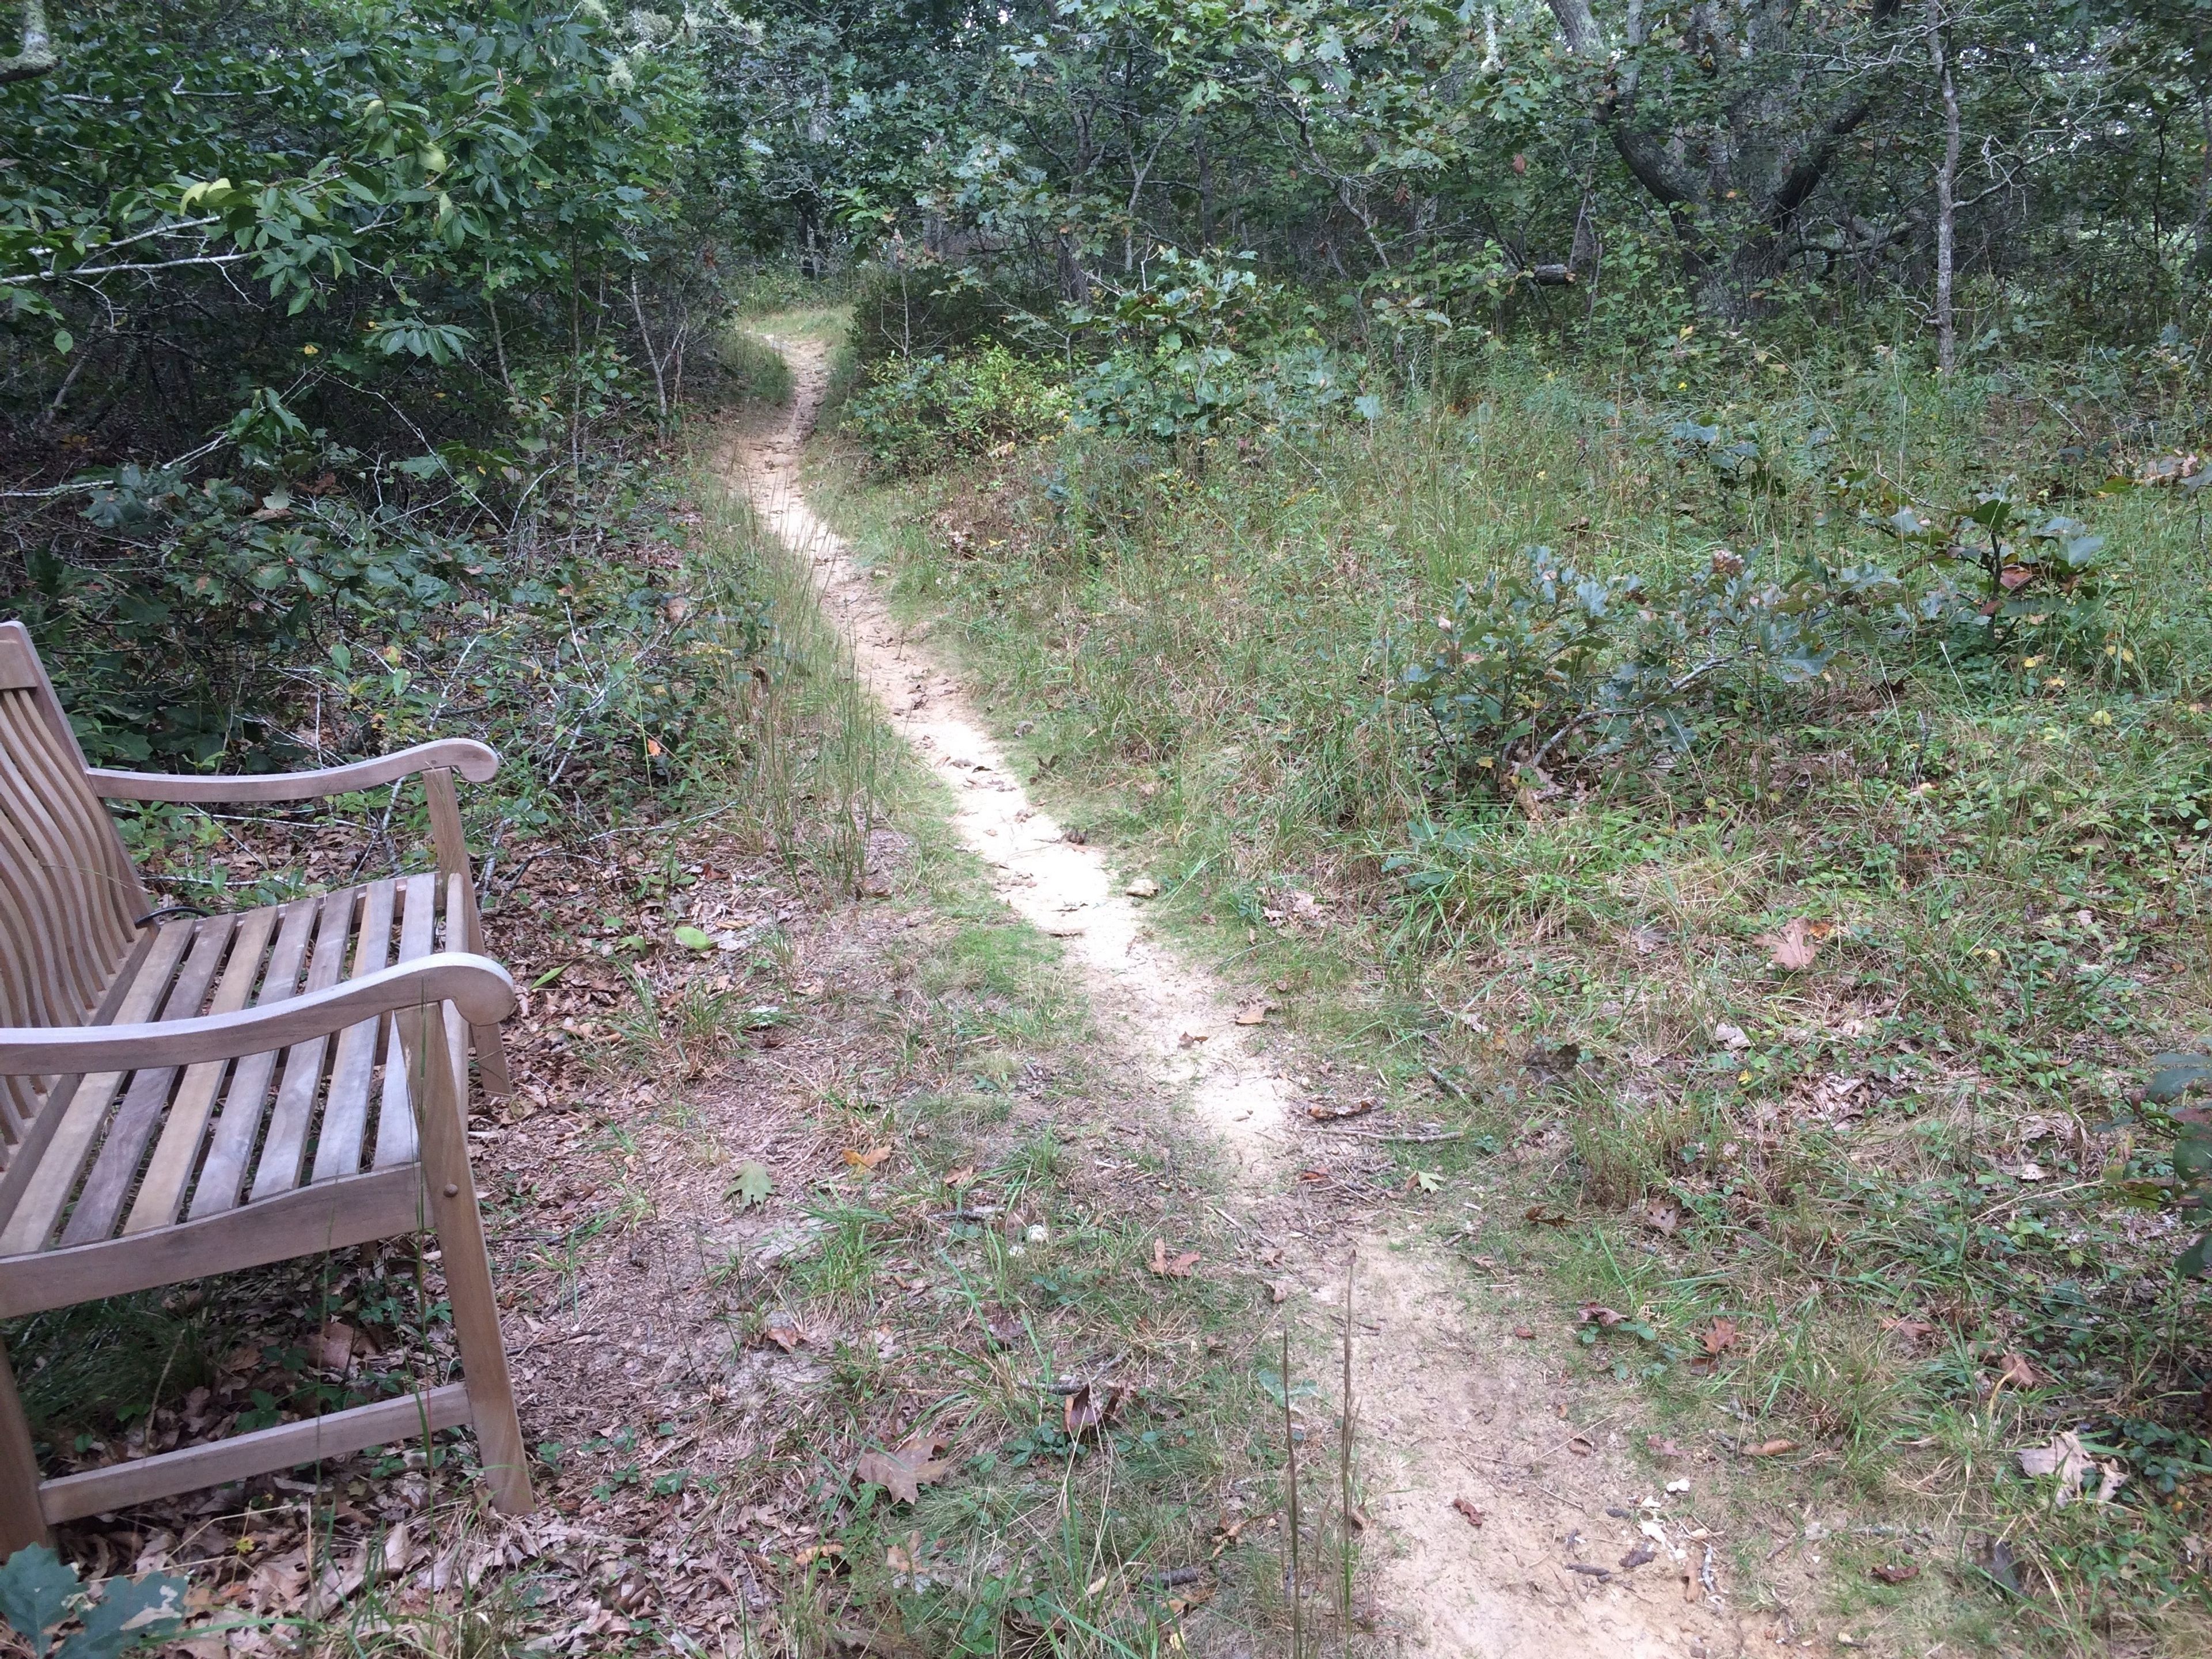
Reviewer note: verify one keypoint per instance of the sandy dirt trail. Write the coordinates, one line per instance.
(1446, 1410)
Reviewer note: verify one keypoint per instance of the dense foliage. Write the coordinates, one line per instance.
(335, 342)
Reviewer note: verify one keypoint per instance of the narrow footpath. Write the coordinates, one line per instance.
(1448, 1408)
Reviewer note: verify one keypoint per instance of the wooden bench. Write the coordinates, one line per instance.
(184, 1095)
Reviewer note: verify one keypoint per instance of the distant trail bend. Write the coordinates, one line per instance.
(1441, 1413)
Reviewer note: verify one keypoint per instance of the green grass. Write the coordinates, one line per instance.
(1193, 653)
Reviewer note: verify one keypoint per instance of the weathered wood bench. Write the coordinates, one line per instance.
(184, 1095)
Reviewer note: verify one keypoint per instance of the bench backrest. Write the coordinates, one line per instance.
(69, 899)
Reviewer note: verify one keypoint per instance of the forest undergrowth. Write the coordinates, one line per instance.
(1790, 1021)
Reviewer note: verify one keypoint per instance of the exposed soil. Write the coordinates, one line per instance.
(1450, 1407)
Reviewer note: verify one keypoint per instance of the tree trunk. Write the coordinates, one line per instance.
(1946, 174)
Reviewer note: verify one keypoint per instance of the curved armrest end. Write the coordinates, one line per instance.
(478, 988)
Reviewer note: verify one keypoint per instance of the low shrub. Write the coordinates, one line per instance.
(1199, 346)
(1538, 667)
(917, 412)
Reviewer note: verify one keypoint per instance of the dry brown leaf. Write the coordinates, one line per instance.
(1474, 1517)
(1524, 1333)
(2065, 1457)
(1659, 1446)
(1336, 1108)
(1279, 1290)
(1192, 1039)
(1143, 887)
(867, 1160)
(1662, 1218)
(2015, 1368)
(1793, 948)
(1171, 1267)
(1581, 1445)
(1088, 1410)
(904, 1472)
(782, 1330)
(1543, 1215)
(1637, 1557)
(1773, 1447)
(1717, 1337)
(1604, 1317)
(334, 1346)
(960, 1177)
(1901, 1573)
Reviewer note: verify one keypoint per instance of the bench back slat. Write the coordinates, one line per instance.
(69, 899)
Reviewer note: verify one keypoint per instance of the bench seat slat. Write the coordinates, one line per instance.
(162, 1192)
(32, 1221)
(278, 1169)
(345, 1112)
(116, 1168)
(396, 1140)
(238, 1122)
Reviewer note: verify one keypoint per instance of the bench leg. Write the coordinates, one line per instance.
(22, 1523)
(459, 1225)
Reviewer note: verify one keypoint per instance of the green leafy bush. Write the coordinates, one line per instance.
(916, 412)
(1199, 346)
(1540, 666)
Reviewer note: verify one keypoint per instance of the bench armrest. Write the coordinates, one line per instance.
(473, 761)
(476, 986)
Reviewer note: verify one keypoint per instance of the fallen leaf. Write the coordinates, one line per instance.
(810, 1553)
(1773, 1447)
(334, 1346)
(1581, 1445)
(1171, 1267)
(2065, 1457)
(1336, 1108)
(694, 939)
(2015, 576)
(1791, 948)
(1659, 1446)
(1088, 1410)
(904, 1472)
(1192, 1039)
(2029, 1170)
(960, 1177)
(1662, 1218)
(1524, 1333)
(1731, 1037)
(1589, 1571)
(1913, 1331)
(1637, 1557)
(1143, 887)
(1474, 1517)
(2014, 1367)
(1357, 1517)
(867, 1160)
(782, 1330)
(1902, 1572)
(1543, 1215)
(1605, 1318)
(751, 1185)
(1254, 1013)
(1717, 1337)
(1279, 1290)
